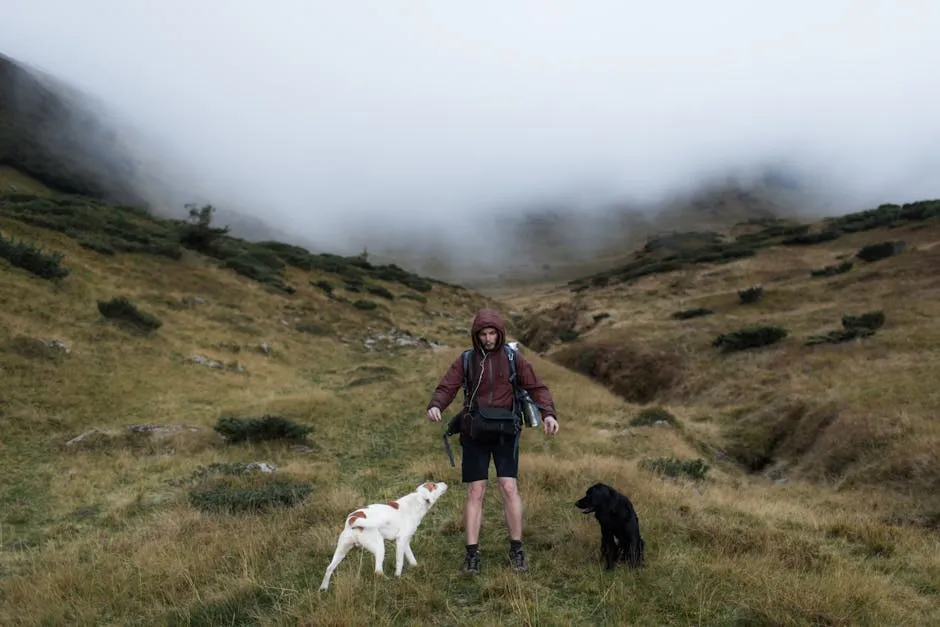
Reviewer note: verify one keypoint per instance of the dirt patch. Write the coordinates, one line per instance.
(639, 376)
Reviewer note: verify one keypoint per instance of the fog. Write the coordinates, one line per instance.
(336, 120)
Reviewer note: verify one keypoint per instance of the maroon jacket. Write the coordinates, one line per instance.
(495, 389)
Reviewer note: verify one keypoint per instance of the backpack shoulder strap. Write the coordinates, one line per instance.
(465, 356)
(511, 356)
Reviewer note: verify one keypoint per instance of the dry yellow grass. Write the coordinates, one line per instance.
(102, 533)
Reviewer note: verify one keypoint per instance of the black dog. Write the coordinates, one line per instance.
(620, 526)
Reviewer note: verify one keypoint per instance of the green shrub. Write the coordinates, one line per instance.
(838, 336)
(750, 295)
(882, 250)
(805, 239)
(749, 337)
(853, 327)
(248, 494)
(267, 427)
(415, 297)
(123, 310)
(568, 335)
(33, 259)
(380, 291)
(686, 314)
(869, 320)
(323, 285)
(199, 234)
(651, 415)
(364, 305)
(672, 467)
(842, 268)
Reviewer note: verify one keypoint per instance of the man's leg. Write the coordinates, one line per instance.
(512, 506)
(506, 458)
(473, 514)
(475, 464)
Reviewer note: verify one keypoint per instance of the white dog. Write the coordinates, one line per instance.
(370, 526)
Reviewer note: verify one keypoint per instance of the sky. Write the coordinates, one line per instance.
(432, 118)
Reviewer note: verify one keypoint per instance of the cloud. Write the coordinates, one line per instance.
(327, 118)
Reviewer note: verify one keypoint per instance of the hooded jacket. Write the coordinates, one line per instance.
(494, 387)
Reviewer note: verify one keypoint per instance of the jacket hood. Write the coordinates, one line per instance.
(488, 318)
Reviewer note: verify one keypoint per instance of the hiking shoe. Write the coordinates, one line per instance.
(517, 559)
(472, 562)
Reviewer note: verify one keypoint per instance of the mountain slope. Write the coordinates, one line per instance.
(822, 401)
(103, 524)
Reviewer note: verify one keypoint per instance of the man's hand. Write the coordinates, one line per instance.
(551, 425)
(434, 414)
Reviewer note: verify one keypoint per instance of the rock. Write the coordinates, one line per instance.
(398, 338)
(262, 466)
(205, 361)
(265, 348)
(83, 436)
(160, 429)
(57, 345)
(661, 423)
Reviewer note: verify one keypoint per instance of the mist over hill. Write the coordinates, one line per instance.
(431, 135)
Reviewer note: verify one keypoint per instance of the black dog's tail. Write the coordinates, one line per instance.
(634, 552)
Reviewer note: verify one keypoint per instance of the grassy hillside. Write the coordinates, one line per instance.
(793, 384)
(105, 524)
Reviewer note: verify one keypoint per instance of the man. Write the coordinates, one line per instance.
(490, 387)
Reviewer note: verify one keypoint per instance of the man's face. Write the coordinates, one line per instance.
(488, 338)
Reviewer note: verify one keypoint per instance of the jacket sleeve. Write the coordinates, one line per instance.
(539, 391)
(450, 384)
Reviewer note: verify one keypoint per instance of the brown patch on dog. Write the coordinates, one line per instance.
(393, 504)
(430, 486)
(354, 516)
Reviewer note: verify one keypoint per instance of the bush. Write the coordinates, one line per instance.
(651, 415)
(805, 239)
(853, 327)
(198, 234)
(33, 259)
(869, 320)
(686, 314)
(267, 427)
(749, 337)
(324, 286)
(672, 467)
(839, 336)
(364, 305)
(380, 291)
(568, 335)
(750, 295)
(882, 250)
(247, 494)
(842, 268)
(415, 297)
(123, 310)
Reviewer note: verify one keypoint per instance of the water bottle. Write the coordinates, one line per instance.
(530, 411)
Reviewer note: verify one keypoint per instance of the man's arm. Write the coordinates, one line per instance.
(447, 389)
(531, 382)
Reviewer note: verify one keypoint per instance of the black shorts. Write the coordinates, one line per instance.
(475, 460)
